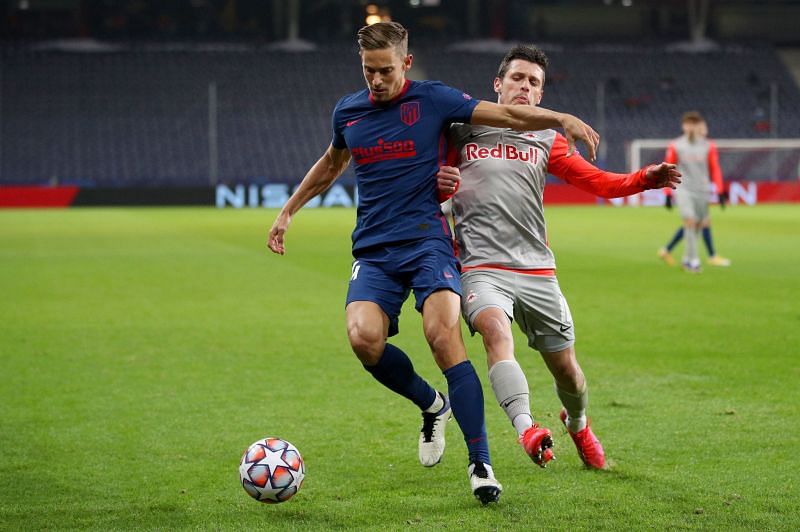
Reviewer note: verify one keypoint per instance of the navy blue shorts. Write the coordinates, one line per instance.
(386, 275)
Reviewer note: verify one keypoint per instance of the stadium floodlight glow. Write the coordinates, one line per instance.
(375, 15)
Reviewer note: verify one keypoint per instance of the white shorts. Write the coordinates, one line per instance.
(534, 301)
(692, 204)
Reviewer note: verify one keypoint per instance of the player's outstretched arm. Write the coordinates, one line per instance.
(584, 175)
(528, 118)
(324, 172)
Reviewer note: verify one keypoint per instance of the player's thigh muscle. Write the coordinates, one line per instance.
(482, 289)
(370, 282)
(542, 313)
(433, 267)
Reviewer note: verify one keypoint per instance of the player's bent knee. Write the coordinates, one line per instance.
(367, 344)
(446, 345)
(439, 338)
(495, 331)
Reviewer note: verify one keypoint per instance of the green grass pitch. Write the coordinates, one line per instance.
(142, 350)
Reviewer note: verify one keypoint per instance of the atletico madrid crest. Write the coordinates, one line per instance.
(409, 113)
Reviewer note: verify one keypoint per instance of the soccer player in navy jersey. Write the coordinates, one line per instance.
(394, 131)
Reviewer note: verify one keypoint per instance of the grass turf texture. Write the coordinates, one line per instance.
(142, 350)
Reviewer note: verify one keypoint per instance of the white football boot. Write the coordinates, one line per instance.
(484, 486)
(431, 437)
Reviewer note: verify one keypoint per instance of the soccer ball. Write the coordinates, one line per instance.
(272, 470)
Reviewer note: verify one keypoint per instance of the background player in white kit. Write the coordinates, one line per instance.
(508, 270)
(698, 161)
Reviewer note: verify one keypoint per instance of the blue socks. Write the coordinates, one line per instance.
(706, 238)
(675, 239)
(466, 400)
(395, 371)
(708, 241)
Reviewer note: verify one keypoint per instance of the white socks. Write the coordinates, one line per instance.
(511, 390)
(575, 405)
(437, 405)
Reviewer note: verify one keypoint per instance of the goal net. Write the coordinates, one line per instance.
(740, 159)
(744, 162)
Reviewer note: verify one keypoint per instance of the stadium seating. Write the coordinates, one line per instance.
(140, 117)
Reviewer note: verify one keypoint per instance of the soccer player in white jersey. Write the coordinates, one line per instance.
(698, 161)
(508, 270)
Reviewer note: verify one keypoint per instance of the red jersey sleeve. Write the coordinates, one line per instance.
(576, 171)
(672, 158)
(713, 168)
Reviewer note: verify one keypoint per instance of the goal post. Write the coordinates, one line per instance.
(740, 159)
(755, 169)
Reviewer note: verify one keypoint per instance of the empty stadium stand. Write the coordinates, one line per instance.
(140, 117)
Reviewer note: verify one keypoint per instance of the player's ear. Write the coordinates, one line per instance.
(407, 62)
(498, 83)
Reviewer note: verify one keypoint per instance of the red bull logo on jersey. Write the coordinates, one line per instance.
(507, 152)
(384, 151)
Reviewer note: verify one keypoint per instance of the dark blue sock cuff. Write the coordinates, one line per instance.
(675, 239)
(458, 371)
(709, 242)
(395, 371)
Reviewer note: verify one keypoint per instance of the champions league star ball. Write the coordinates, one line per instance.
(272, 470)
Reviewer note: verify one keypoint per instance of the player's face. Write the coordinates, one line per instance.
(385, 72)
(523, 84)
(692, 129)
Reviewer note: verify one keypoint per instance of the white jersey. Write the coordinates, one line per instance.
(698, 164)
(498, 211)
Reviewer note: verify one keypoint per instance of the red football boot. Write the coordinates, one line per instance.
(589, 448)
(538, 443)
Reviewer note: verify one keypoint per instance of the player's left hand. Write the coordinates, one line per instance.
(448, 178)
(576, 129)
(662, 175)
(723, 199)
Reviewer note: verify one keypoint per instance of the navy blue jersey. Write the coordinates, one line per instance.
(397, 148)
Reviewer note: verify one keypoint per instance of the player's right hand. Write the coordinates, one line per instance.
(664, 175)
(275, 239)
(448, 179)
(576, 129)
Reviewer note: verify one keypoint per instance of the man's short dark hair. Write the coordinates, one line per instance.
(525, 52)
(383, 35)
